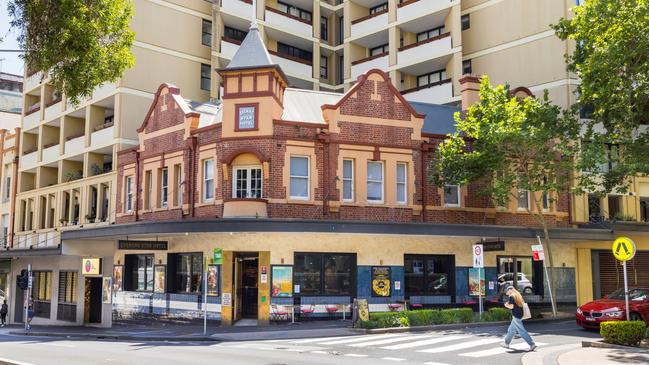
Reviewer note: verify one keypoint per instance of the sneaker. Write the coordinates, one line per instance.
(533, 347)
(504, 345)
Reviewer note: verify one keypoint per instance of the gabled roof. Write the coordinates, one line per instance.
(174, 92)
(439, 119)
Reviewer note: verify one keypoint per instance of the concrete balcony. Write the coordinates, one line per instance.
(438, 92)
(379, 61)
(74, 146)
(31, 120)
(292, 66)
(102, 138)
(289, 23)
(104, 91)
(425, 50)
(32, 81)
(245, 208)
(51, 154)
(414, 9)
(29, 160)
(53, 110)
(229, 47)
(369, 24)
(240, 8)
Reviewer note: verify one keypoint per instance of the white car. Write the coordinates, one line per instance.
(522, 282)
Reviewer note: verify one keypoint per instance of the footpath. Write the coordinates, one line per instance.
(576, 354)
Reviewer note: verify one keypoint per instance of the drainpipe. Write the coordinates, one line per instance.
(423, 150)
(137, 185)
(12, 209)
(324, 139)
(190, 183)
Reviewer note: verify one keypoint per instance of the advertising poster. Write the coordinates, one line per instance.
(476, 281)
(118, 275)
(217, 256)
(212, 280)
(282, 277)
(159, 278)
(381, 281)
(107, 291)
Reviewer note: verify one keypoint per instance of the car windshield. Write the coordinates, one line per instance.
(634, 294)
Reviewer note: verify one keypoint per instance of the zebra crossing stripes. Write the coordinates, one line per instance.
(462, 345)
(386, 341)
(421, 343)
(500, 350)
(318, 339)
(358, 339)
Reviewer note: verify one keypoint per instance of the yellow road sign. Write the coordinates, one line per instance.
(623, 248)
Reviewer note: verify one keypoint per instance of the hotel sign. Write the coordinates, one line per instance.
(91, 266)
(142, 245)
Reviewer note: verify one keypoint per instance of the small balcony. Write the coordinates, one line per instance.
(288, 22)
(361, 66)
(32, 81)
(53, 109)
(32, 117)
(245, 208)
(103, 136)
(229, 47)
(240, 8)
(425, 50)
(50, 153)
(370, 23)
(104, 91)
(29, 160)
(293, 66)
(413, 9)
(437, 92)
(74, 145)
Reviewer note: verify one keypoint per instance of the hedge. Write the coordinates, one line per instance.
(628, 333)
(427, 317)
(497, 315)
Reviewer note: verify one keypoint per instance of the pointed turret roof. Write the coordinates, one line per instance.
(252, 53)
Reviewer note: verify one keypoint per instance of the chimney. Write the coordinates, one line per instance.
(469, 90)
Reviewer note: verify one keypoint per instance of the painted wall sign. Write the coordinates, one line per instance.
(282, 277)
(381, 281)
(142, 245)
(91, 266)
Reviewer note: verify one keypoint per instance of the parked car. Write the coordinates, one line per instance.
(612, 308)
(522, 282)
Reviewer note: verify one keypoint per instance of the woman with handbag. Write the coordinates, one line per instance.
(520, 311)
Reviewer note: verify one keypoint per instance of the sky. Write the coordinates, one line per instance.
(11, 62)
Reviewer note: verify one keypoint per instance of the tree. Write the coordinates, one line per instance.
(611, 58)
(513, 146)
(79, 43)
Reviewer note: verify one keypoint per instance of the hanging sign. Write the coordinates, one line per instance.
(624, 248)
(381, 281)
(218, 256)
(478, 256)
(537, 253)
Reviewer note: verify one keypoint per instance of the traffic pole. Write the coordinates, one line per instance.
(626, 292)
(29, 294)
(205, 298)
(547, 278)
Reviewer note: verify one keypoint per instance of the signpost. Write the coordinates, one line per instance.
(30, 282)
(478, 263)
(205, 296)
(624, 250)
(539, 255)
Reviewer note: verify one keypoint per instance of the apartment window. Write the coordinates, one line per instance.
(427, 34)
(341, 69)
(402, 189)
(148, 182)
(206, 38)
(208, 180)
(378, 8)
(594, 208)
(348, 180)
(294, 10)
(324, 28)
(206, 76)
(164, 187)
(324, 67)
(615, 207)
(545, 200)
(644, 209)
(611, 155)
(429, 274)
(294, 52)
(139, 268)
(42, 293)
(5, 229)
(452, 195)
(188, 272)
(375, 181)
(325, 273)
(299, 185)
(178, 176)
(7, 188)
(466, 67)
(234, 33)
(523, 199)
(382, 49)
(128, 202)
(466, 21)
(67, 307)
(431, 78)
(341, 30)
(247, 182)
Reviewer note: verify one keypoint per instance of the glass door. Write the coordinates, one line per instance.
(518, 272)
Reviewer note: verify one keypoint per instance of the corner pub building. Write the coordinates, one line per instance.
(284, 196)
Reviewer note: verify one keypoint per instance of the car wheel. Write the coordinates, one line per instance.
(528, 290)
(636, 317)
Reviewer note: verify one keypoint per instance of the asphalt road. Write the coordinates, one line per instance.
(457, 347)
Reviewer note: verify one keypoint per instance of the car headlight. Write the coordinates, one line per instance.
(614, 314)
(580, 311)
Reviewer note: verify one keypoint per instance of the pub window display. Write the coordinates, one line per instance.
(429, 274)
(324, 274)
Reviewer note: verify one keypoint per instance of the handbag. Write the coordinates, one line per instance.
(526, 311)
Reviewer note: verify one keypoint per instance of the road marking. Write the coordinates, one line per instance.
(309, 340)
(501, 350)
(357, 339)
(355, 355)
(14, 362)
(57, 345)
(435, 363)
(386, 341)
(423, 342)
(393, 359)
(319, 352)
(462, 345)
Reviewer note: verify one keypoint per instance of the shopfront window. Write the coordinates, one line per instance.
(67, 307)
(140, 269)
(189, 268)
(429, 274)
(324, 274)
(42, 293)
(520, 272)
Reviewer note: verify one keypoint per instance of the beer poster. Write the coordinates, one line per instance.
(118, 274)
(212, 280)
(282, 281)
(381, 281)
(159, 278)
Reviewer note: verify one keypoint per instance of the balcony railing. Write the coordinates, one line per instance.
(370, 16)
(294, 24)
(405, 12)
(425, 50)
(293, 65)
(436, 92)
(240, 8)
(361, 66)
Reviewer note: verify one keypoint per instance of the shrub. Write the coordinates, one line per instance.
(390, 319)
(497, 315)
(628, 333)
(423, 317)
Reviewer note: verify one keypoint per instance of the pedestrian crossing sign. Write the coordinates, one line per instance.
(624, 248)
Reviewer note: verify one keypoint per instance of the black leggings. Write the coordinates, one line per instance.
(3, 318)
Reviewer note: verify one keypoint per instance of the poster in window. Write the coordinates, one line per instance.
(282, 277)
(159, 277)
(212, 280)
(107, 290)
(476, 281)
(118, 275)
(381, 281)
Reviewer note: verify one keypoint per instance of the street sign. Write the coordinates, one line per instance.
(478, 256)
(623, 249)
(537, 253)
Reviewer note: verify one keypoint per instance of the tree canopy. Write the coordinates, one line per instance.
(79, 43)
(611, 58)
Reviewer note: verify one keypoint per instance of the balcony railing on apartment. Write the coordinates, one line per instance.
(379, 55)
(291, 16)
(429, 40)
(54, 101)
(33, 108)
(370, 16)
(292, 58)
(406, 3)
(427, 86)
(231, 40)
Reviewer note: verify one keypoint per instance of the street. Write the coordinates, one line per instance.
(456, 347)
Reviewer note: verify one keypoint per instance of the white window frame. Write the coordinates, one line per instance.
(349, 179)
(164, 188)
(179, 184)
(382, 181)
(206, 198)
(519, 200)
(459, 195)
(404, 183)
(308, 178)
(128, 194)
(248, 181)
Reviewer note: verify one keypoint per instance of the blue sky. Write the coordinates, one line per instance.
(12, 63)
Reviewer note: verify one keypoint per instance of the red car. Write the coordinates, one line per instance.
(611, 308)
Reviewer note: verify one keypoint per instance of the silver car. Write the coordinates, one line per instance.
(522, 282)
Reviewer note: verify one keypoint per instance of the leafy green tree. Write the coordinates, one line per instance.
(611, 58)
(79, 43)
(510, 146)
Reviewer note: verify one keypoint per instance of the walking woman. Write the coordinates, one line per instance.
(515, 304)
(4, 309)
